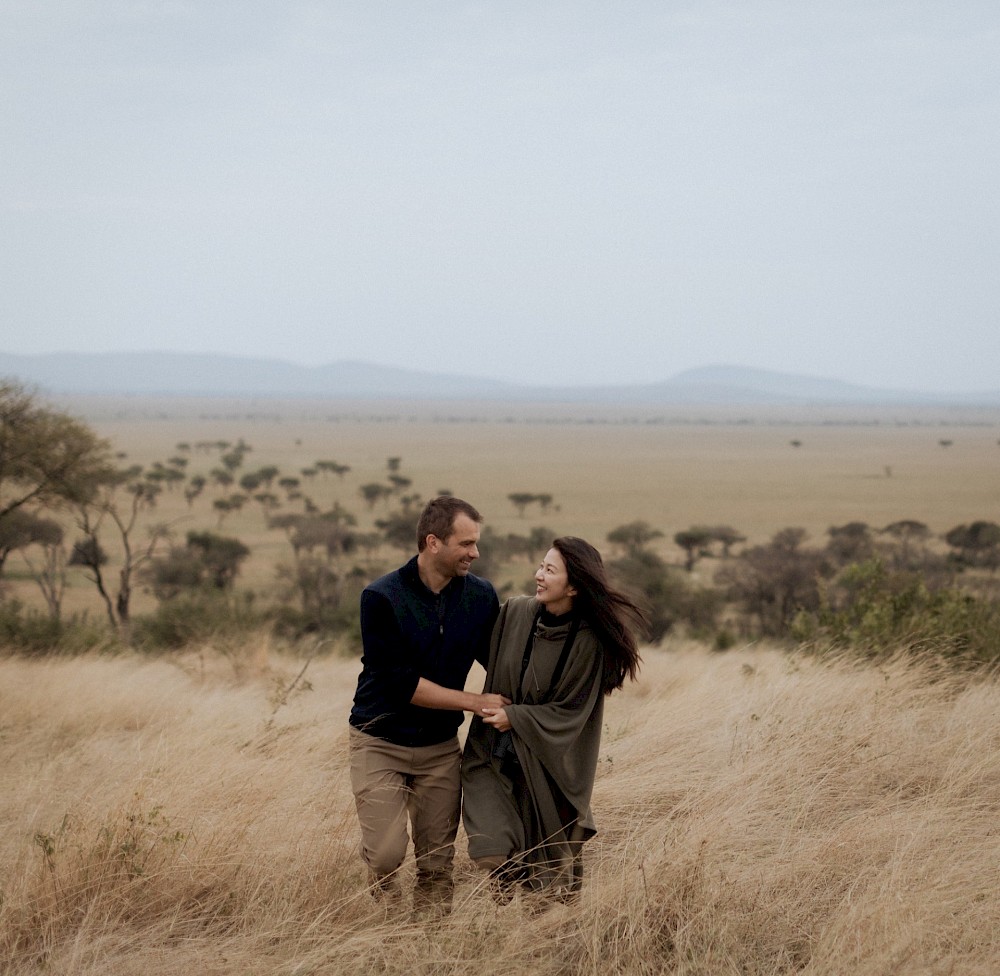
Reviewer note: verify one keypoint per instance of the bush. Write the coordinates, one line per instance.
(667, 598)
(207, 561)
(875, 611)
(335, 615)
(35, 633)
(198, 616)
(775, 583)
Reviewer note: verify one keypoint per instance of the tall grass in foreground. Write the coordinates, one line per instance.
(759, 814)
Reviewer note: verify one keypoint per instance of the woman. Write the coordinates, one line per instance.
(528, 768)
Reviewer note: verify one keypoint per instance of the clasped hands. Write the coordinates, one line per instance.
(491, 708)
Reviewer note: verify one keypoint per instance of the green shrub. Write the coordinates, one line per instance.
(875, 611)
(327, 604)
(667, 597)
(36, 633)
(197, 616)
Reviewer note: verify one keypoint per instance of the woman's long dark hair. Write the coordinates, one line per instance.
(612, 615)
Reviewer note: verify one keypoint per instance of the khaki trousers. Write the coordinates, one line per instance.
(392, 783)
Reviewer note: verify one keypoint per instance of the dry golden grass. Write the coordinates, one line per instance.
(759, 814)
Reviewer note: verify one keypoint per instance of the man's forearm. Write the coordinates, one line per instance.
(431, 695)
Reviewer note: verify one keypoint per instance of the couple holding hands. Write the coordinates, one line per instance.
(523, 784)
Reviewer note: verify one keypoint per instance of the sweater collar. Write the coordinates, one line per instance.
(411, 574)
(553, 626)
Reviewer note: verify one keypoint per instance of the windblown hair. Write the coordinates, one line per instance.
(438, 518)
(612, 615)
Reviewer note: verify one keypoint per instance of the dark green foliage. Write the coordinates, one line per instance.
(220, 555)
(522, 499)
(46, 457)
(904, 544)
(694, 542)
(633, 536)
(232, 460)
(850, 543)
(311, 532)
(977, 544)
(88, 552)
(195, 487)
(30, 631)
(374, 492)
(251, 481)
(21, 528)
(198, 615)
(874, 610)
(399, 529)
(495, 550)
(207, 561)
(326, 603)
(727, 537)
(666, 596)
(33, 632)
(774, 582)
(170, 574)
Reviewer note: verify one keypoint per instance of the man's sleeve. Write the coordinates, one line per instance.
(385, 650)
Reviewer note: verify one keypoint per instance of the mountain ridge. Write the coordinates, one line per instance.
(218, 374)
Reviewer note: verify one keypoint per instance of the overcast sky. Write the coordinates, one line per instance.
(551, 191)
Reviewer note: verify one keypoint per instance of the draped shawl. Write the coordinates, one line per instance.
(542, 816)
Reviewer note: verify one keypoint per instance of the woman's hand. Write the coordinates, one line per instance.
(497, 717)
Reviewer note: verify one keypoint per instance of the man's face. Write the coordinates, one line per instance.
(453, 556)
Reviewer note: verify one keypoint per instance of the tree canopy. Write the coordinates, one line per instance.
(46, 457)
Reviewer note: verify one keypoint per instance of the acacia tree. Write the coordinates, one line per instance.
(850, 543)
(909, 542)
(47, 458)
(977, 544)
(50, 573)
(521, 500)
(21, 529)
(195, 487)
(662, 592)
(727, 537)
(333, 467)
(693, 541)
(116, 506)
(633, 536)
(775, 581)
(697, 540)
(220, 555)
(374, 492)
(206, 562)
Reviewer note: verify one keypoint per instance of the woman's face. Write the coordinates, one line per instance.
(552, 585)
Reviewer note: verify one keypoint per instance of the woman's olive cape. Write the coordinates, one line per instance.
(556, 735)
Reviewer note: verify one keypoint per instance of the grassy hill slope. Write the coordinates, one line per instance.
(758, 813)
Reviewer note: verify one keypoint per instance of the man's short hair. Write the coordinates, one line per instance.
(438, 518)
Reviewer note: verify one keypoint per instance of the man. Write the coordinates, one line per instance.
(421, 627)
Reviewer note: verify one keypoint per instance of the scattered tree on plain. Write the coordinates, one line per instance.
(694, 542)
(47, 458)
(976, 544)
(633, 536)
(114, 508)
(21, 528)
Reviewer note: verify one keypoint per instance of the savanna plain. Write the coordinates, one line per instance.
(761, 810)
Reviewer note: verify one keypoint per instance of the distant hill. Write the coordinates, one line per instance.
(190, 374)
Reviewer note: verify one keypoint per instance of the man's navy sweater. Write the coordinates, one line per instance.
(408, 633)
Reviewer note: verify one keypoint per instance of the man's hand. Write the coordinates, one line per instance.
(489, 703)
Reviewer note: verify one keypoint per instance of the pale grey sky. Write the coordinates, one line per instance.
(545, 191)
